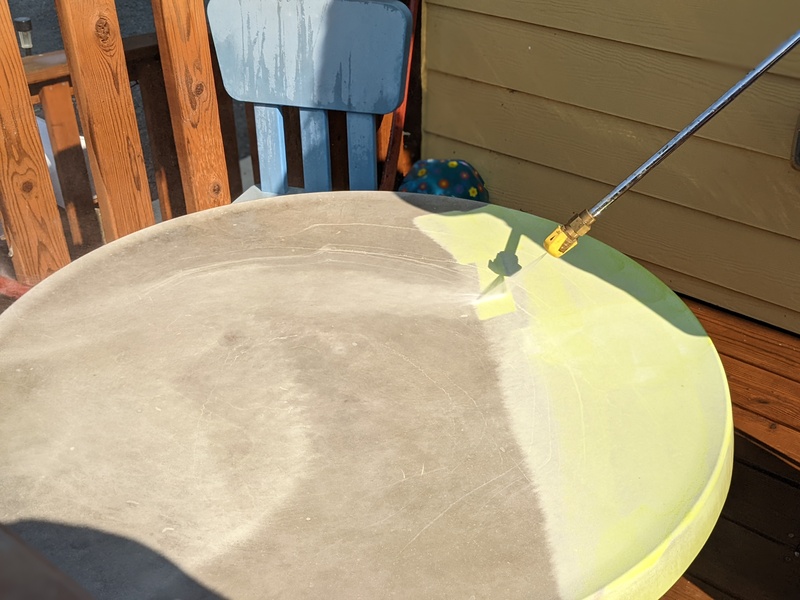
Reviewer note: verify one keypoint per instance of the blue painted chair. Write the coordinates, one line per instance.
(317, 55)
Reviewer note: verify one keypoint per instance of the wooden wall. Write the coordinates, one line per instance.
(556, 101)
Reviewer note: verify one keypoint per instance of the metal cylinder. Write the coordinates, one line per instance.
(24, 29)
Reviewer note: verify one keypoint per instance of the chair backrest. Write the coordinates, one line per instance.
(316, 55)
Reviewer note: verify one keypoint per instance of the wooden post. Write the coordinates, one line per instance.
(93, 45)
(62, 127)
(162, 145)
(391, 147)
(384, 139)
(27, 201)
(186, 58)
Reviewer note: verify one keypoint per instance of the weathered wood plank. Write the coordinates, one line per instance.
(720, 296)
(747, 565)
(169, 187)
(686, 590)
(653, 87)
(784, 440)
(734, 256)
(383, 137)
(45, 68)
(186, 59)
(749, 342)
(747, 187)
(41, 68)
(62, 128)
(733, 32)
(763, 392)
(765, 504)
(397, 159)
(756, 455)
(27, 201)
(93, 45)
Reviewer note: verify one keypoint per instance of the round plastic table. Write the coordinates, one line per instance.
(341, 396)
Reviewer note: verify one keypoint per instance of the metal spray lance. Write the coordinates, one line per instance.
(565, 237)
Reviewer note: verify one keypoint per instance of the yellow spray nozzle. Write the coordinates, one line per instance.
(558, 243)
(565, 237)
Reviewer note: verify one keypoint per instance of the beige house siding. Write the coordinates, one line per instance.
(556, 101)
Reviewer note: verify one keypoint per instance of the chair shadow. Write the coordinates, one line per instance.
(108, 566)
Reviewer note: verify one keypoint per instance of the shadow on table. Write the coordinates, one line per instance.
(590, 256)
(109, 566)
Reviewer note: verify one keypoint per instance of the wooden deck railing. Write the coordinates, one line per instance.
(50, 86)
(188, 117)
(186, 113)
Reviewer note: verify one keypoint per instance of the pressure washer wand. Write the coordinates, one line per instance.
(566, 236)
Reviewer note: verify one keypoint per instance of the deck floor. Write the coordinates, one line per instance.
(754, 551)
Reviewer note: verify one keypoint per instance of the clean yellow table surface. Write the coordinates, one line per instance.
(316, 396)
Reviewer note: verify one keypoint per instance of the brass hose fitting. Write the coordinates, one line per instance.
(566, 236)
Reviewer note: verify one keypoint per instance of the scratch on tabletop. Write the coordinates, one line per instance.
(446, 510)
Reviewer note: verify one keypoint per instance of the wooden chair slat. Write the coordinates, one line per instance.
(27, 201)
(316, 143)
(362, 144)
(93, 44)
(186, 59)
(271, 149)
